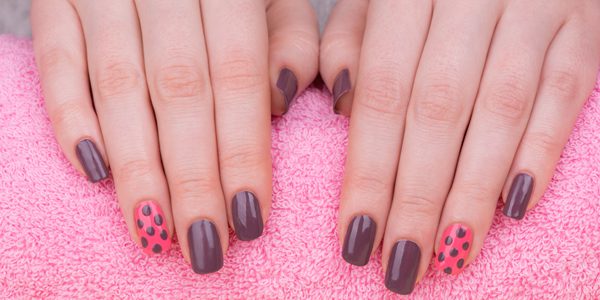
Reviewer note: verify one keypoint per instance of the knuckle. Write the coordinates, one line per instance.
(66, 115)
(176, 81)
(543, 143)
(562, 84)
(116, 78)
(194, 185)
(242, 158)
(369, 182)
(383, 92)
(54, 60)
(239, 73)
(419, 204)
(441, 104)
(508, 100)
(133, 170)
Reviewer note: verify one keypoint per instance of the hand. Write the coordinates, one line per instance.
(453, 104)
(180, 106)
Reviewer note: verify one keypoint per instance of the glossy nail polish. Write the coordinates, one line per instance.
(359, 240)
(205, 247)
(247, 218)
(341, 86)
(151, 227)
(91, 160)
(403, 267)
(287, 83)
(518, 196)
(454, 248)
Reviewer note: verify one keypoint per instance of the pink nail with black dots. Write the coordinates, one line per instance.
(151, 228)
(454, 249)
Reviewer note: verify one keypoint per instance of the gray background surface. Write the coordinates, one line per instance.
(14, 15)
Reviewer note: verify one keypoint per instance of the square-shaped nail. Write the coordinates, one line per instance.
(403, 267)
(359, 240)
(247, 218)
(205, 247)
(518, 196)
(92, 162)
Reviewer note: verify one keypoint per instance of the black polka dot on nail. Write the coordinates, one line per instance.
(465, 245)
(156, 248)
(146, 210)
(448, 270)
(150, 231)
(140, 224)
(453, 252)
(441, 257)
(163, 235)
(144, 242)
(460, 263)
(448, 240)
(461, 232)
(158, 220)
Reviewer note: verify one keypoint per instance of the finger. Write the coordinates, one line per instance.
(60, 54)
(500, 115)
(293, 50)
(240, 80)
(393, 42)
(443, 94)
(340, 51)
(122, 103)
(567, 79)
(178, 77)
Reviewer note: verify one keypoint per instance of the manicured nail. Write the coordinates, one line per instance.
(288, 85)
(403, 267)
(341, 86)
(247, 219)
(454, 249)
(91, 160)
(151, 227)
(205, 247)
(359, 240)
(518, 196)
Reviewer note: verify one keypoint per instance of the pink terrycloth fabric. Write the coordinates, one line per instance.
(63, 237)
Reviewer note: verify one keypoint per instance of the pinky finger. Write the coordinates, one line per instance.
(568, 76)
(60, 55)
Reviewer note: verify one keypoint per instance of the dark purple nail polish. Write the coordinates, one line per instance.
(359, 240)
(287, 83)
(247, 218)
(205, 247)
(518, 196)
(91, 160)
(341, 86)
(403, 267)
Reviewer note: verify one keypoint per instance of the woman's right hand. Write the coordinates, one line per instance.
(180, 103)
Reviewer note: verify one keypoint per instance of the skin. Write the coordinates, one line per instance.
(181, 98)
(450, 100)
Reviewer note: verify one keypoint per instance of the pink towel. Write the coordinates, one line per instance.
(63, 237)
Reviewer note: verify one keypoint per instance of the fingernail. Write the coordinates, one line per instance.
(454, 248)
(341, 86)
(403, 267)
(247, 218)
(288, 85)
(91, 160)
(151, 227)
(359, 240)
(205, 247)
(518, 196)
